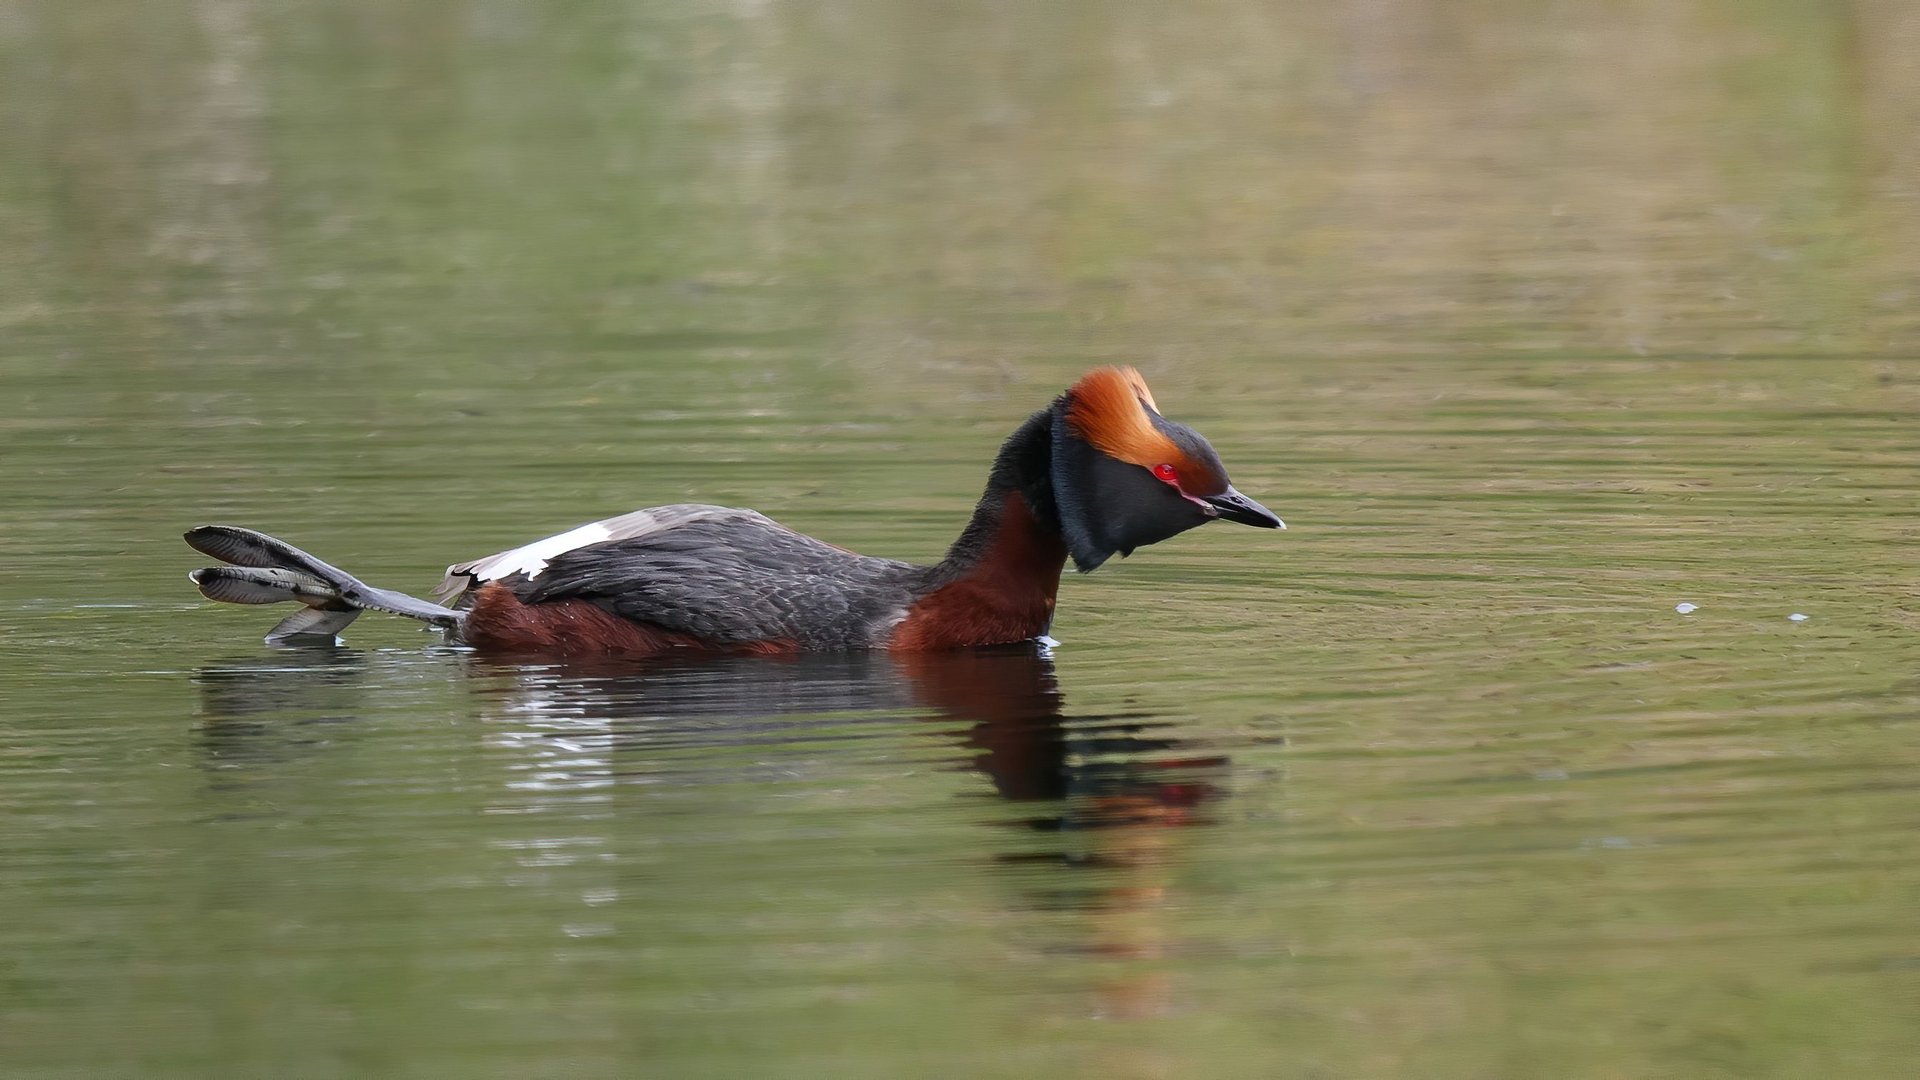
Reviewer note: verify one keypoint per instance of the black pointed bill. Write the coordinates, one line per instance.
(1230, 505)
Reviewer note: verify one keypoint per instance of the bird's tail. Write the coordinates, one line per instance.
(263, 570)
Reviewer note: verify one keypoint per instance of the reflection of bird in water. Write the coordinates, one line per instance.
(1006, 698)
(1110, 792)
(1113, 790)
(253, 702)
(1099, 472)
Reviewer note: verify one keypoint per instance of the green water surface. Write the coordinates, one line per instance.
(1533, 320)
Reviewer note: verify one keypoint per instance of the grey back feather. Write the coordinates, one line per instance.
(737, 577)
(529, 560)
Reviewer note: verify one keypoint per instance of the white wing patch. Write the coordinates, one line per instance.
(531, 559)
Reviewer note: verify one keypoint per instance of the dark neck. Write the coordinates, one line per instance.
(998, 581)
(1016, 518)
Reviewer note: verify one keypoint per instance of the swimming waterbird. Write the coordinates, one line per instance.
(1096, 473)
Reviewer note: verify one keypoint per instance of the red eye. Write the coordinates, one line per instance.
(1167, 474)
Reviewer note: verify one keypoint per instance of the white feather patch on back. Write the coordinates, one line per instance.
(531, 559)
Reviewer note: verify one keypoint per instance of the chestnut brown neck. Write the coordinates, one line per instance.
(998, 581)
(1022, 557)
(1000, 592)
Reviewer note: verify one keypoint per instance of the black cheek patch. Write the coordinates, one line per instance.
(1074, 488)
(1108, 507)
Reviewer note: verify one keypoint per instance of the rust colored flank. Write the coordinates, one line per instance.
(499, 622)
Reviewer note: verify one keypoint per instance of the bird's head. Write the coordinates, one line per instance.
(1124, 476)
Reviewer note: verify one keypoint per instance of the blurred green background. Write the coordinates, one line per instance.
(1533, 320)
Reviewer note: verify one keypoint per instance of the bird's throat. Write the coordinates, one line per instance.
(998, 581)
(1002, 591)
